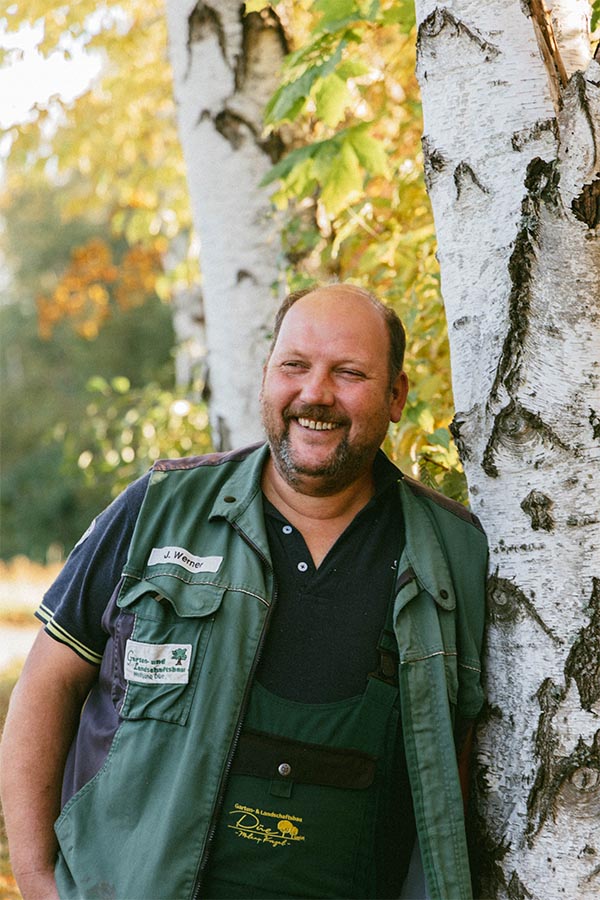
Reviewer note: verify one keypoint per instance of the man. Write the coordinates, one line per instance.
(288, 641)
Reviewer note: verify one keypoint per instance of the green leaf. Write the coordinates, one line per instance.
(343, 182)
(401, 13)
(332, 99)
(440, 436)
(285, 165)
(370, 152)
(291, 97)
(335, 14)
(595, 15)
(352, 68)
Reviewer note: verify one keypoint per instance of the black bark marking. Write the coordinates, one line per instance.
(440, 20)
(203, 21)
(578, 84)
(541, 797)
(523, 137)
(508, 604)
(517, 426)
(541, 183)
(572, 781)
(243, 274)
(516, 890)
(462, 448)
(235, 128)
(232, 127)
(586, 207)
(594, 420)
(485, 855)
(583, 662)
(538, 506)
(433, 161)
(465, 176)
(254, 26)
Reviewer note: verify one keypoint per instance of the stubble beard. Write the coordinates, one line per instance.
(346, 464)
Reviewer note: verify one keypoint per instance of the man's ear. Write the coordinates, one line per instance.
(398, 398)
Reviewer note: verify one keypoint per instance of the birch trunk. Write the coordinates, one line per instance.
(511, 103)
(225, 67)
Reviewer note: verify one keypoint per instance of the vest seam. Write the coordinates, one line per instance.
(239, 590)
(429, 656)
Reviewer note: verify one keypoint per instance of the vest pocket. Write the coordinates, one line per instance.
(163, 657)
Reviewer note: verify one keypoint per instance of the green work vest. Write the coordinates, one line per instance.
(198, 587)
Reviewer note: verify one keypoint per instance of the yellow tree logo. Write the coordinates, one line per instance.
(287, 829)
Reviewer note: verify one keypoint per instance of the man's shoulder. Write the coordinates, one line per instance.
(187, 463)
(440, 502)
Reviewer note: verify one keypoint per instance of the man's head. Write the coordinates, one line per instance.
(395, 327)
(331, 385)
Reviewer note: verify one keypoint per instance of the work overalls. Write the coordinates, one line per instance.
(303, 815)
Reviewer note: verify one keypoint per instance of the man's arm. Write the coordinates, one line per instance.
(41, 722)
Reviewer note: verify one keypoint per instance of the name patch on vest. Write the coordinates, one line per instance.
(157, 663)
(182, 557)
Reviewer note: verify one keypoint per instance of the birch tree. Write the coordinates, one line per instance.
(511, 101)
(225, 67)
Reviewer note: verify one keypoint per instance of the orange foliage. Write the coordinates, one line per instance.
(137, 276)
(94, 284)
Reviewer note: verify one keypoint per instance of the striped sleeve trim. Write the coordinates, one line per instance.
(62, 635)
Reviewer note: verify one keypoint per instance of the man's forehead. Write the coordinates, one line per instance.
(340, 308)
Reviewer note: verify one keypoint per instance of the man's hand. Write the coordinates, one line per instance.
(42, 719)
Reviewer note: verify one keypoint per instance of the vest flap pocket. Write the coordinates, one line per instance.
(283, 759)
(187, 600)
(164, 653)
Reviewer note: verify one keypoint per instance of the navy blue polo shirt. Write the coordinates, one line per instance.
(322, 641)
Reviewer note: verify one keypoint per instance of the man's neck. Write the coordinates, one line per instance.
(321, 519)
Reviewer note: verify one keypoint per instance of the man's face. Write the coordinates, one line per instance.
(326, 398)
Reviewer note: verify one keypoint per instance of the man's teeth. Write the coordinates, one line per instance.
(317, 426)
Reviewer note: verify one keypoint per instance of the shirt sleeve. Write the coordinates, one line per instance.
(73, 606)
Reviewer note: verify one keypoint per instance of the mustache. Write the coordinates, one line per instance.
(319, 413)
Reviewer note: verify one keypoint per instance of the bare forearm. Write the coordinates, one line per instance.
(31, 798)
(41, 722)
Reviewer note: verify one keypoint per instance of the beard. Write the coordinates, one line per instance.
(347, 461)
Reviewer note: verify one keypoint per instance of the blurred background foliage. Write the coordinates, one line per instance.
(96, 238)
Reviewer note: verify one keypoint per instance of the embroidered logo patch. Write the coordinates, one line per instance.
(157, 663)
(265, 827)
(182, 557)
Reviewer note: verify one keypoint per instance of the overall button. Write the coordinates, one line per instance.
(287, 529)
(302, 567)
(284, 769)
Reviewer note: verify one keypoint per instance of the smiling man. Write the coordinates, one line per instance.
(258, 669)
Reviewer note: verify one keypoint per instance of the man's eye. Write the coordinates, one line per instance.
(293, 364)
(351, 373)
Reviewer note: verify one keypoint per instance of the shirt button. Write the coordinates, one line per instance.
(302, 566)
(284, 769)
(444, 594)
(287, 529)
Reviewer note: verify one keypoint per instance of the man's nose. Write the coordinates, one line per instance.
(317, 389)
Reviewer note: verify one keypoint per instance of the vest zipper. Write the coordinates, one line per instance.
(240, 722)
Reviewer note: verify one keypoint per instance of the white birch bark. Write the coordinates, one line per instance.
(512, 159)
(225, 67)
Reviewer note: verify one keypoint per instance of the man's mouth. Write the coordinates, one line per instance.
(317, 425)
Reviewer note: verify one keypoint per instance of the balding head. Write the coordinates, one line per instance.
(395, 329)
